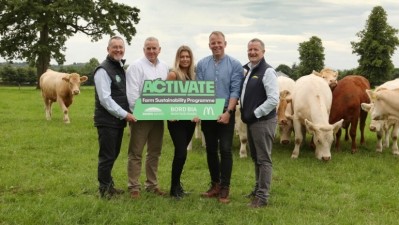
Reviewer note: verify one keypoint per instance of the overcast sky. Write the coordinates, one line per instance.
(281, 24)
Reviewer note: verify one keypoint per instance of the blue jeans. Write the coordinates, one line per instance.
(219, 140)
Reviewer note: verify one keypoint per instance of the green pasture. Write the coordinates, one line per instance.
(48, 175)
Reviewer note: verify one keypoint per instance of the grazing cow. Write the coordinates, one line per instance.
(348, 95)
(286, 87)
(382, 127)
(61, 87)
(328, 75)
(311, 102)
(385, 103)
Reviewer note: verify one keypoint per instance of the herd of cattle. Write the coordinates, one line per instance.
(318, 104)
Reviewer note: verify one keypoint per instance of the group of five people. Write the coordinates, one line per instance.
(116, 92)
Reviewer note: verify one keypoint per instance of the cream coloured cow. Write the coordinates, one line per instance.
(286, 87)
(382, 127)
(329, 75)
(61, 87)
(311, 103)
(385, 103)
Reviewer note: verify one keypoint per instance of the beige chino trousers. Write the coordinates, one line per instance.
(143, 133)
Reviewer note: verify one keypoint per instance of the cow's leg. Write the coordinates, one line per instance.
(47, 108)
(64, 110)
(352, 133)
(346, 134)
(362, 124)
(299, 134)
(190, 145)
(379, 135)
(243, 143)
(385, 134)
(394, 135)
(338, 139)
(197, 131)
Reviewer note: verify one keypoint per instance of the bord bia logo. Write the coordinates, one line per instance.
(153, 111)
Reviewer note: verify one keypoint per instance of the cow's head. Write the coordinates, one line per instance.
(376, 105)
(74, 80)
(323, 136)
(285, 131)
(329, 75)
(376, 125)
(285, 101)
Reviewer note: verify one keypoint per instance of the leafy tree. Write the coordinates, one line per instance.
(311, 56)
(18, 75)
(36, 31)
(88, 70)
(378, 42)
(285, 69)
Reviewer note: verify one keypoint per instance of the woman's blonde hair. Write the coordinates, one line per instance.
(191, 69)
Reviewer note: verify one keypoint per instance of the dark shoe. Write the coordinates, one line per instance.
(135, 194)
(224, 195)
(257, 203)
(157, 191)
(114, 191)
(177, 192)
(110, 192)
(213, 191)
(251, 195)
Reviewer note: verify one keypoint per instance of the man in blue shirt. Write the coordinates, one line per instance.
(227, 73)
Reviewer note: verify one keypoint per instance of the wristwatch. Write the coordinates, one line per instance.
(230, 111)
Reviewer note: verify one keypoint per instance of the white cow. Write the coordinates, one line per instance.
(286, 87)
(385, 103)
(61, 87)
(311, 102)
(382, 127)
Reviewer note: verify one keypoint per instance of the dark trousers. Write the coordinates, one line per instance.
(181, 133)
(109, 140)
(219, 140)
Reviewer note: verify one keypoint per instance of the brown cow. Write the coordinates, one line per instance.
(348, 95)
(59, 87)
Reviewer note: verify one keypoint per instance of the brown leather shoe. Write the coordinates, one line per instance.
(213, 191)
(224, 195)
(257, 203)
(157, 191)
(135, 194)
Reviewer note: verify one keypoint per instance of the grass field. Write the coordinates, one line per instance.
(48, 176)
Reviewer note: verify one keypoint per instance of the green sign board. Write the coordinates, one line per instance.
(178, 100)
